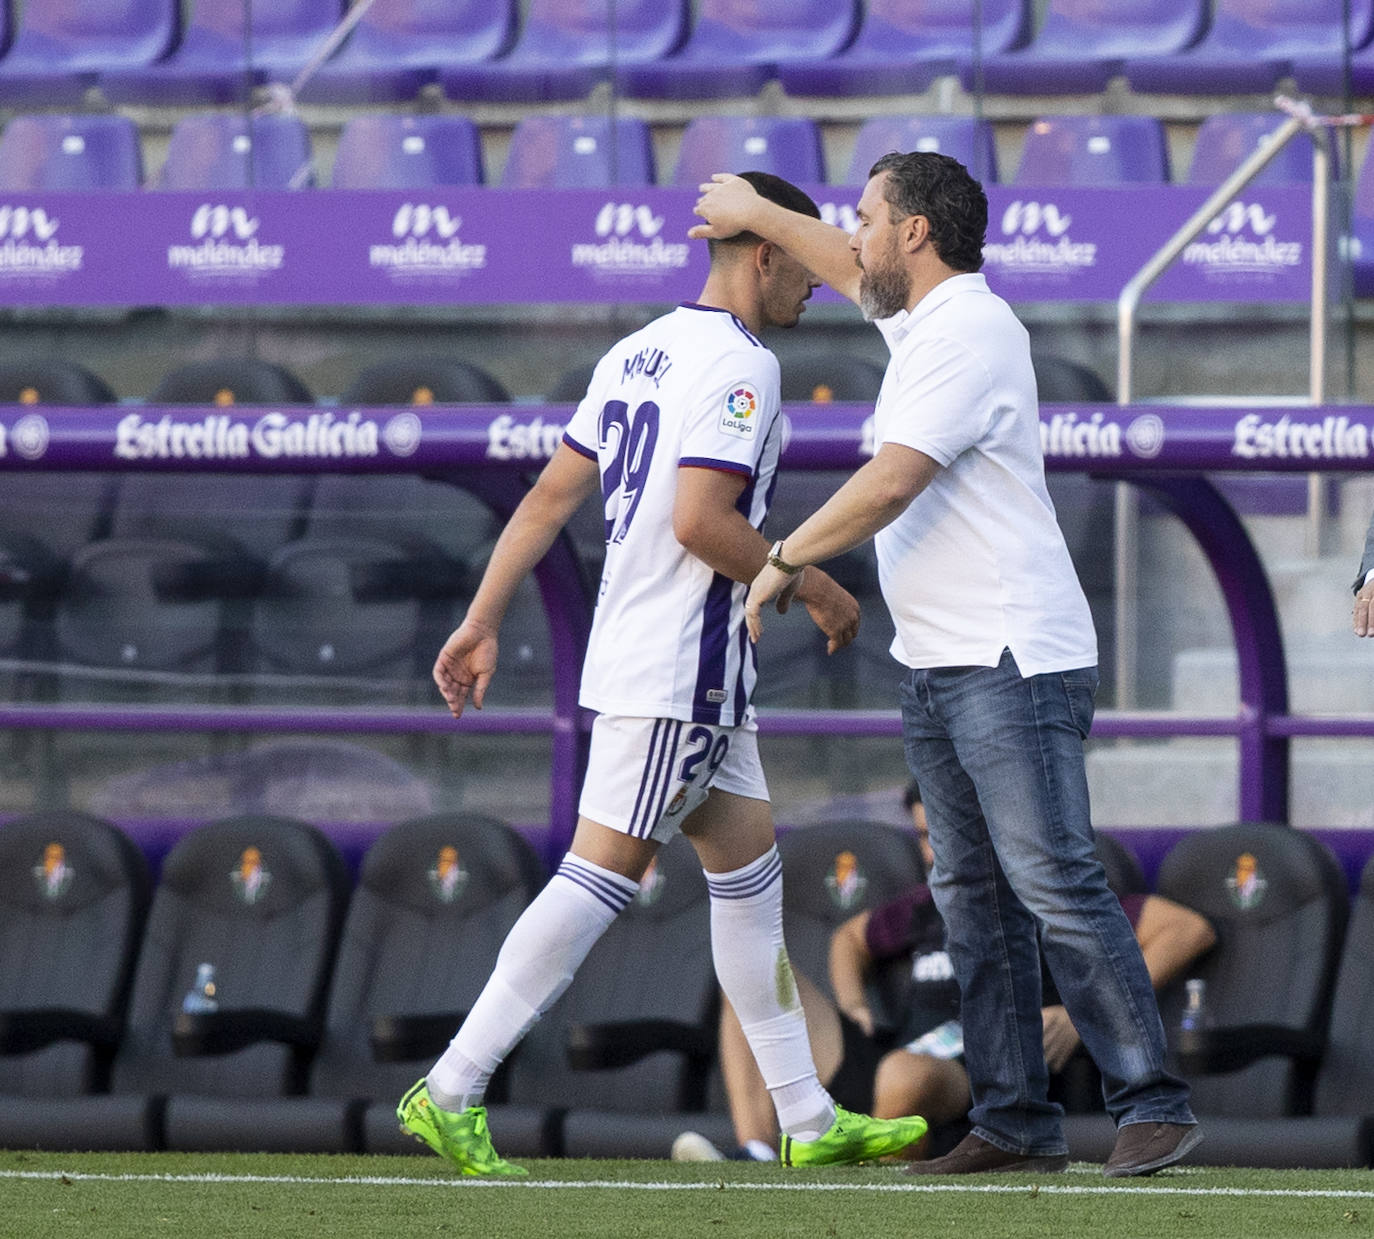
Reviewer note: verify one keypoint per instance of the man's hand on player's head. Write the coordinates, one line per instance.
(727, 204)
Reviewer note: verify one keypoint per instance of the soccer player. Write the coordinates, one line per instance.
(681, 428)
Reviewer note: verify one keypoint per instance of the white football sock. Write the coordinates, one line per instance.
(537, 962)
(756, 976)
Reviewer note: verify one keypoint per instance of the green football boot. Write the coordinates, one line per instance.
(853, 1138)
(460, 1138)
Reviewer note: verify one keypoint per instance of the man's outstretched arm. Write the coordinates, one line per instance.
(730, 205)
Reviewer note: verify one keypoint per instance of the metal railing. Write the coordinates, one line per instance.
(1300, 119)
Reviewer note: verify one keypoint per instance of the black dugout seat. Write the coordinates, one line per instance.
(261, 899)
(73, 897)
(1278, 901)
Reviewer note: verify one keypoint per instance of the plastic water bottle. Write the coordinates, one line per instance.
(200, 998)
(1194, 1018)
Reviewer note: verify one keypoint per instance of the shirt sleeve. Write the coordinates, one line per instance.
(940, 400)
(728, 421)
(581, 432)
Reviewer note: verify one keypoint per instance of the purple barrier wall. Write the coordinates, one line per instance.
(451, 246)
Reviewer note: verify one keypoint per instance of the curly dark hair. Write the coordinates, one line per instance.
(940, 188)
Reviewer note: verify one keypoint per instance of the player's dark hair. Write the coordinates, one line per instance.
(912, 795)
(953, 202)
(775, 189)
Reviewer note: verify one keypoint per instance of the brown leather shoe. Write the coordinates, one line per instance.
(1143, 1148)
(974, 1155)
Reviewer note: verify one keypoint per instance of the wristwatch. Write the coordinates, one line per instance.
(775, 558)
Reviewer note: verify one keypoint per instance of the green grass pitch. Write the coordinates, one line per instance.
(261, 1196)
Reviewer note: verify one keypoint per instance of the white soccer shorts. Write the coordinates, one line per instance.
(645, 775)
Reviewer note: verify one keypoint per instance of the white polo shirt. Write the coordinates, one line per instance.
(977, 562)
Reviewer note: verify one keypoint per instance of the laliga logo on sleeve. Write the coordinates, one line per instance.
(738, 414)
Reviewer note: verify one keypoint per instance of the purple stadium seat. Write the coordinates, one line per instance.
(579, 152)
(70, 152)
(61, 46)
(1094, 150)
(1323, 72)
(399, 46)
(229, 46)
(405, 152)
(904, 45)
(735, 46)
(222, 151)
(567, 46)
(968, 139)
(1083, 44)
(788, 146)
(1250, 46)
(1226, 139)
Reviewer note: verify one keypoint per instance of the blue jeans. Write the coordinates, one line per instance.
(999, 758)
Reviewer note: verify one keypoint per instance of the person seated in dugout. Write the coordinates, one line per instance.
(917, 1066)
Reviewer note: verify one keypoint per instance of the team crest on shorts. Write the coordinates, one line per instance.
(679, 799)
(739, 414)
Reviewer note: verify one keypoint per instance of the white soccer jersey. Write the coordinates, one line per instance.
(694, 387)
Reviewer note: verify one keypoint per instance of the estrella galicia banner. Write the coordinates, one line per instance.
(1106, 438)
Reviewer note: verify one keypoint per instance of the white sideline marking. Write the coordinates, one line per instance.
(1053, 1189)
